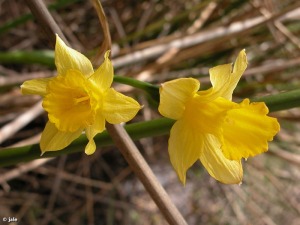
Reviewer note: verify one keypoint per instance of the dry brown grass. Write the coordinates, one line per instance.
(156, 41)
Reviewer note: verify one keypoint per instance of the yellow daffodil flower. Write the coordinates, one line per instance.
(212, 128)
(78, 99)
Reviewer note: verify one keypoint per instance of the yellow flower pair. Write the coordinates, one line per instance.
(209, 126)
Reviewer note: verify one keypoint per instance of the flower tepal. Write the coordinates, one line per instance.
(211, 128)
(78, 99)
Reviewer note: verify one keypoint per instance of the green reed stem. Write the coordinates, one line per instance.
(157, 127)
(152, 90)
(12, 156)
(43, 57)
(281, 101)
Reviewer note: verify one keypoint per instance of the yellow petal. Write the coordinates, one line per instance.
(174, 95)
(207, 117)
(67, 58)
(52, 139)
(220, 80)
(220, 75)
(185, 144)
(222, 169)
(35, 86)
(118, 108)
(224, 79)
(103, 76)
(69, 103)
(239, 68)
(247, 130)
(92, 131)
(240, 65)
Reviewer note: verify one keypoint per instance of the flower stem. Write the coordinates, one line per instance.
(12, 156)
(281, 101)
(157, 127)
(152, 90)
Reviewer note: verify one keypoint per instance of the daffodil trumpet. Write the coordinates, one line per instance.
(211, 128)
(79, 99)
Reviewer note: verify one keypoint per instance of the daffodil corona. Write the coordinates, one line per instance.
(212, 128)
(78, 99)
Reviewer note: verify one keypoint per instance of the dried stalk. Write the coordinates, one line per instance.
(201, 37)
(119, 135)
(21, 121)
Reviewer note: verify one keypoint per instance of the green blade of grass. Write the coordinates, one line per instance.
(12, 156)
(158, 127)
(43, 57)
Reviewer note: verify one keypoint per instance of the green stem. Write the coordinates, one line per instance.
(157, 127)
(43, 57)
(46, 57)
(150, 89)
(281, 101)
(277, 102)
(12, 156)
